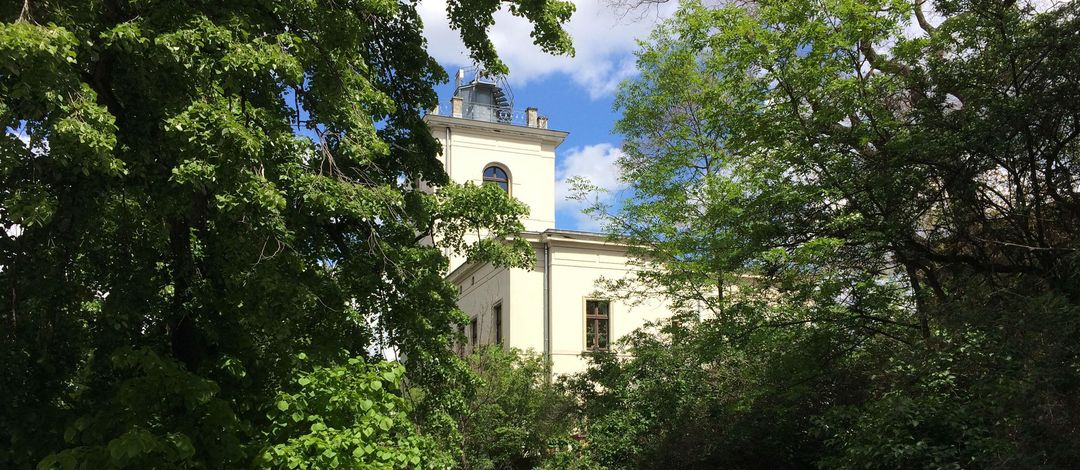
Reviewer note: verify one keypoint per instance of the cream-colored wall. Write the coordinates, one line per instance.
(481, 289)
(527, 306)
(521, 294)
(575, 270)
(529, 161)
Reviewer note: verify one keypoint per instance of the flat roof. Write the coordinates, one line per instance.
(448, 121)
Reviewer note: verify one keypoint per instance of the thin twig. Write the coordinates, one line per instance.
(24, 15)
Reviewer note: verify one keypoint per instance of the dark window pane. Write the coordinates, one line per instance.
(498, 176)
(597, 313)
(602, 334)
(597, 308)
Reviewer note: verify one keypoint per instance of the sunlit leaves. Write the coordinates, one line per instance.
(847, 196)
(345, 416)
(479, 222)
(200, 191)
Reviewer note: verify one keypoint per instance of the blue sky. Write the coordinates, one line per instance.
(575, 93)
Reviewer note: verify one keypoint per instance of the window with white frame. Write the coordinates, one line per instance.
(597, 324)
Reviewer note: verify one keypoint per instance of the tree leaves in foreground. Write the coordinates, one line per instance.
(875, 214)
(515, 418)
(208, 232)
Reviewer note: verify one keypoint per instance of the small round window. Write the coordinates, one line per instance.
(497, 176)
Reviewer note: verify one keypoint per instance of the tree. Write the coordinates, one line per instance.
(688, 397)
(515, 416)
(855, 184)
(195, 195)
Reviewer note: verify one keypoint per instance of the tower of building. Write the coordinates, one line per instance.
(485, 140)
(552, 309)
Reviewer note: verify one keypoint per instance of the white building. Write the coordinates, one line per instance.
(551, 309)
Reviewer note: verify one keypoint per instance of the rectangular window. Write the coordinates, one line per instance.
(497, 312)
(472, 331)
(461, 340)
(597, 324)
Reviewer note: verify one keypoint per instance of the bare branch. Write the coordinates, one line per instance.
(882, 63)
(24, 14)
(921, 18)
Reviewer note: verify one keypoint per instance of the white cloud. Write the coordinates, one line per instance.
(603, 38)
(595, 163)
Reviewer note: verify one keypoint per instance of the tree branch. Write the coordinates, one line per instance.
(24, 14)
(921, 18)
(881, 63)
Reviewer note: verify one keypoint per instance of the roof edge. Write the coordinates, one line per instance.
(546, 134)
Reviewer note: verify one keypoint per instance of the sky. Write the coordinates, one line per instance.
(575, 93)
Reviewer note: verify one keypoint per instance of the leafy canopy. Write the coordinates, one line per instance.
(875, 216)
(194, 195)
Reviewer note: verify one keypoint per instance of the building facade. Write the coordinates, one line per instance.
(553, 309)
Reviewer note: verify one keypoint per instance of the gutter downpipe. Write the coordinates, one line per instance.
(547, 304)
(446, 150)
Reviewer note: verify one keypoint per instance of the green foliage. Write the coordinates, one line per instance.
(689, 398)
(348, 416)
(571, 455)
(485, 213)
(877, 230)
(159, 414)
(515, 418)
(193, 193)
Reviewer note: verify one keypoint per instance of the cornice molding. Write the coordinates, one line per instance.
(547, 135)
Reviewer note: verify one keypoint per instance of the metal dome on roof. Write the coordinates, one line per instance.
(486, 97)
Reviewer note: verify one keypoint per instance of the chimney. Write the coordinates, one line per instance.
(542, 122)
(460, 78)
(530, 117)
(455, 106)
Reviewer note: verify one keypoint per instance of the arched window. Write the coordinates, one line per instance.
(494, 174)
